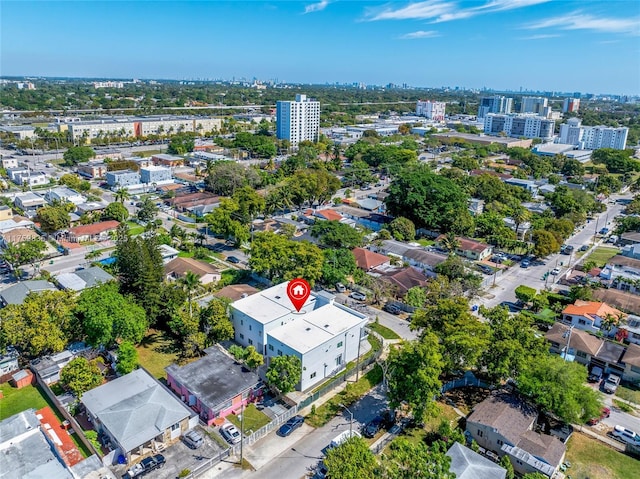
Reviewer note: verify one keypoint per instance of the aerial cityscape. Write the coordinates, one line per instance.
(330, 240)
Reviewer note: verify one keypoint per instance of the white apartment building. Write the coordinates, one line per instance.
(494, 104)
(64, 194)
(592, 137)
(534, 104)
(108, 84)
(518, 126)
(155, 174)
(433, 110)
(324, 335)
(298, 120)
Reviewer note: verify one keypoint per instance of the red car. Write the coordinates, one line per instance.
(605, 414)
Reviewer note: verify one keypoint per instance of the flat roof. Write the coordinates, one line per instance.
(270, 304)
(215, 378)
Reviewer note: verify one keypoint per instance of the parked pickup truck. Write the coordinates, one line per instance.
(343, 437)
(145, 466)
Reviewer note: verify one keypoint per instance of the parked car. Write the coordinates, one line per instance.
(145, 466)
(372, 427)
(525, 263)
(291, 425)
(584, 247)
(233, 259)
(595, 375)
(606, 412)
(193, 439)
(391, 308)
(230, 433)
(485, 269)
(604, 231)
(610, 385)
(340, 288)
(358, 296)
(342, 437)
(625, 435)
(555, 271)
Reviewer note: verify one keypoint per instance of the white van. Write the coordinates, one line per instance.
(343, 437)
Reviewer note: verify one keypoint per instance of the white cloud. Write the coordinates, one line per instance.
(442, 11)
(542, 36)
(316, 7)
(419, 34)
(581, 21)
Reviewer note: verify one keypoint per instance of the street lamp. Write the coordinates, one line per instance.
(350, 419)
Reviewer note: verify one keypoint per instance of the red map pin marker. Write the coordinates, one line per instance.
(298, 291)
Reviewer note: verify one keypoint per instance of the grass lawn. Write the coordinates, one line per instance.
(253, 419)
(185, 254)
(628, 394)
(601, 255)
(624, 407)
(383, 331)
(17, 400)
(155, 352)
(546, 315)
(431, 425)
(425, 242)
(590, 459)
(135, 228)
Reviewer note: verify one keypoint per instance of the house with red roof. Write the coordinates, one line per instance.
(93, 232)
(368, 260)
(469, 248)
(590, 315)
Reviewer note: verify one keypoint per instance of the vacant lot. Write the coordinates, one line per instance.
(253, 419)
(156, 352)
(601, 255)
(17, 400)
(590, 459)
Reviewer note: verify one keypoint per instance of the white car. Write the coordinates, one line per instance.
(230, 433)
(555, 271)
(626, 435)
(358, 296)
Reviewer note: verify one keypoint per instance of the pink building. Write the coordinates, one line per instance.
(215, 385)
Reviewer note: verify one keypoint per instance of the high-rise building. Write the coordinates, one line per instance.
(433, 110)
(570, 105)
(592, 137)
(494, 104)
(533, 104)
(519, 126)
(298, 120)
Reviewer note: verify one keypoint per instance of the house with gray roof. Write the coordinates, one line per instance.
(504, 424)
(17, 293)
(467, 464)
(214, 385)
(137, 414)
(83, 278)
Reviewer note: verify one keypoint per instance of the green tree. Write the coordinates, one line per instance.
(403, 229)
(416, 297)
(545, 243)
(284, 373)
(225, 220)
(148, 211)
(107, 316)
(250, 203)
(525, 293)
(80, 375)
(115, 211)
(560, 387)
(506, 463)
(122, 195)
(409, 460)
(27, 252)
(351, 460)
(53, 218)
(338, 265)
(252, 358)
(226, 177)
(280, 259)
(215, 321)
(77, 154)
(413, 371)
(190, 282)
(181, 144)
(513, 343)
(334, 234)
(127, 358)
(43, 323)
(572, 167)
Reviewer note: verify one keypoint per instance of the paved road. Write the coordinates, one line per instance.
(298, 456)
(532, 276)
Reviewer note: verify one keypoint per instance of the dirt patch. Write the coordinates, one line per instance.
(466, 398)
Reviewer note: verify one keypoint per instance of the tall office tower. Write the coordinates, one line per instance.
(494, 104)
(533, 104)
(433, 110)
(298, 120)
(593, 137)
(570, 105)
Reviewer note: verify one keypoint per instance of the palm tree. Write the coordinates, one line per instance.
(450, 242)
(191, 284)
(122, 195)
(519, 215)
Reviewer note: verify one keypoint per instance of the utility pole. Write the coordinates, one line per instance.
(350, 420)
(241, 434)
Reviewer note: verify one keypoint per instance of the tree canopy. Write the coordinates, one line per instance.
(77, 154)
(80, 375)
(351, 460)
(225, 177)
(181, 144)
(284, 373)
(334, 234)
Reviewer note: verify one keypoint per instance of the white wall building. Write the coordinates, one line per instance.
(533, 104)
(155, 174)
(64, 194)
(325, 335)
(494, 104)
(298, 120)
(592, 137)
(433, 110)
(517, 126)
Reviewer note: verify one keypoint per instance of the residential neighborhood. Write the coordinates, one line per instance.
(205, 274)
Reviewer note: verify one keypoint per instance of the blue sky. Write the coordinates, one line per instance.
(588, 46)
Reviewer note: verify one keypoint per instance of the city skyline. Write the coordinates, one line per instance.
(497, 44)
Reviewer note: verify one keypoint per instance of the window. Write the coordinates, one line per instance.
(279, 353)
(313, 375)
(480, 434)
(581, 354)
(175, 426)
(271, 347)
(250, 328)
(500, 443)
(582, 322)
(251, 341)
(339, 344)
(241, 336)
(339, 360)
(241, 322)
